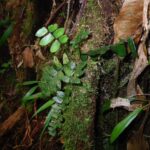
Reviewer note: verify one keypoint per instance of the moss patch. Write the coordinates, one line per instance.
(92, 21)
(28, 22)
(78, 120)
(78, 128)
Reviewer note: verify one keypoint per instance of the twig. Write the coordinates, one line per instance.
(99, 4)
(146, 106)
(68, 14)
(35, 108)
(54, 3)
(70, 21)
(84, 2)
(145, 13)
(27, 137)
(145, 119)
(146, 24)
(52, 15)
(139, 95)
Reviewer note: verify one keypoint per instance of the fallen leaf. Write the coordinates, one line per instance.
(120, 102)
(125, 103)
(129, 21)
(28, 57)
(140, 64)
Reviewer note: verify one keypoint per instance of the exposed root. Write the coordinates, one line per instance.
(9, 123)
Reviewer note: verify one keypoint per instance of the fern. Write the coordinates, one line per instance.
(56, 78)
(49, 82)
(54, 86)
(56, 119)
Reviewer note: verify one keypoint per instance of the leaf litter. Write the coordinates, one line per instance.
(125, 26)
(133, 21)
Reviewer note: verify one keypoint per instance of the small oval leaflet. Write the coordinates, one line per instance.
(65, 79)
(60, 94)
(55, 46)
(58, 99)
(72, 65)
(41, 32)
(65, 59)
(63, 39)
(68, 71)
(53, 72)
(57, 63)
(59, 85)
(46, 39)
(52, 28)
(59, 32)
(75, 80)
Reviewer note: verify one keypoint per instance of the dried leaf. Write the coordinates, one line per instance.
(41, 32)
(55, 46)
(46, 39)
(129, 20)
(28, 57)
(140, 64)
(119, 102)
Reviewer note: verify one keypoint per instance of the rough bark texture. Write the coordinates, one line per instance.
(23, 18)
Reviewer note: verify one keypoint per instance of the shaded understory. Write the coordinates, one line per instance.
(84, 126)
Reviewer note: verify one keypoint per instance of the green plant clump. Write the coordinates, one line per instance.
(52, 35)
(53, 87)
(61, 83)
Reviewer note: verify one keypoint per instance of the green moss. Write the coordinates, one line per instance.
(78, 120)
(78, 127)
(92, 20)
(28, 21)
(109, 66)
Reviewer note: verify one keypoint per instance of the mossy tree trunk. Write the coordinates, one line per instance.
(79, 129)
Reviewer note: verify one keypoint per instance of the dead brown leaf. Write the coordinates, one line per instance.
(120, 102)
(140, 64)
(28, 57)
(129, 21)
